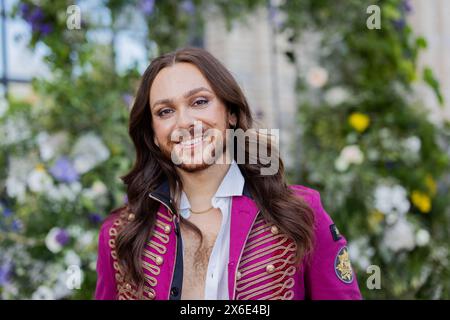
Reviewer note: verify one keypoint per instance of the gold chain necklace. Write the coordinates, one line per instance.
(200, 212)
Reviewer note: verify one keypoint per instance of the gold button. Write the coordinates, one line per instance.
(274, 230)
(151, 295)
(128, 286)
(159, 260)
(167, 229)
(238, 275)
(131, 217)
(270, 268)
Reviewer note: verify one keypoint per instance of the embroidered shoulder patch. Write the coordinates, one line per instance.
(335, 232)
(342, 266)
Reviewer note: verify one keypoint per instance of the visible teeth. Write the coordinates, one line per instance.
(191, 142)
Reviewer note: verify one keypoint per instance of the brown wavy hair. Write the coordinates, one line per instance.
(277, 202)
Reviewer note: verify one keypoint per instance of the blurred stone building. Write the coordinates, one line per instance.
(254, 54)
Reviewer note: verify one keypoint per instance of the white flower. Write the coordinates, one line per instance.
(16, 181)
(317, 77)
(391, 218)
(88, 152)
(16, 188)
(86, 239)
(413, 144)
(400, 236)
(422, 237)
(72, 258)
(51, 145)
(51, 240)
(43, 293)
(75, 231)
(391, 199)
(336, 95)
(98, 189)
(14, 130)
(361, 252)
(62, 192)
(60, 289)
(341, 165)
(39, 180)
(351, 154)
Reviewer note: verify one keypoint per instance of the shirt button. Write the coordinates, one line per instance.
(274, 230)
(159, 260)
(270, 268)
(238, 275)
(174, 291)
(167, 229)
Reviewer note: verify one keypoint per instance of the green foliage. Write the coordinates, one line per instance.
(370, 148)
(66, 147)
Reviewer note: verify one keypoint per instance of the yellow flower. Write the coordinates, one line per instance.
(421, 200)
(40, 167)
(431, 184)
(375, 218)
(359, 121)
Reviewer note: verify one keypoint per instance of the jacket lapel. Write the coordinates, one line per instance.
(243, 214)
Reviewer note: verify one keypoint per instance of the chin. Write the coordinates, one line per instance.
(193, 167)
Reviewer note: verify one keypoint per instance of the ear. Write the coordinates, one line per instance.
(232, 119)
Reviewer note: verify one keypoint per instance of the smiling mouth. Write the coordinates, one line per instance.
(191, 142)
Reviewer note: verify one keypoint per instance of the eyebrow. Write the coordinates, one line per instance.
(186, 95)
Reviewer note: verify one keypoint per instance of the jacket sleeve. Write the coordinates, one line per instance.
(106, 288)
(328, 273)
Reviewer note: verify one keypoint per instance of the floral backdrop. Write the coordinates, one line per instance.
(381, 166)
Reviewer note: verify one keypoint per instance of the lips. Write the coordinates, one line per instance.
(190, 142)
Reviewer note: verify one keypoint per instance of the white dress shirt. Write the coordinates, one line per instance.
(216, 286)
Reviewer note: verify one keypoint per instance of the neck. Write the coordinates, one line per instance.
(200, 186)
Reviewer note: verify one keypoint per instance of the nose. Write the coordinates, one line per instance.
(185, 120)
(187, 125)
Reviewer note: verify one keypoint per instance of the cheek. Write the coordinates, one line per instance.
(217, 117)
(161, 131)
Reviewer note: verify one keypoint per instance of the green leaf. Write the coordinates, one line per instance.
(430, 79)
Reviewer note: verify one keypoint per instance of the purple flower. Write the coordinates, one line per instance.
(5, 273)
(399, 24)
(24, 9)
(64, 171)
(17, 225)
(7, 212)
(62, 237)
(36, 16)
(45, 29)
(188, 7)
(95, 218)
(407, 6)
(127, 98)
(147, 6)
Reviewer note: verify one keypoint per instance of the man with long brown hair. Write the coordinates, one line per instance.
(208, 215)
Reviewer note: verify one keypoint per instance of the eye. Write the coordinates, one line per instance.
(201, 101)
(164, 112)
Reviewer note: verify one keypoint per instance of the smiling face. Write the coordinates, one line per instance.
(188, 119)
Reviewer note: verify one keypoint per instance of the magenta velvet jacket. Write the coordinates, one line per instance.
(261, 264)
